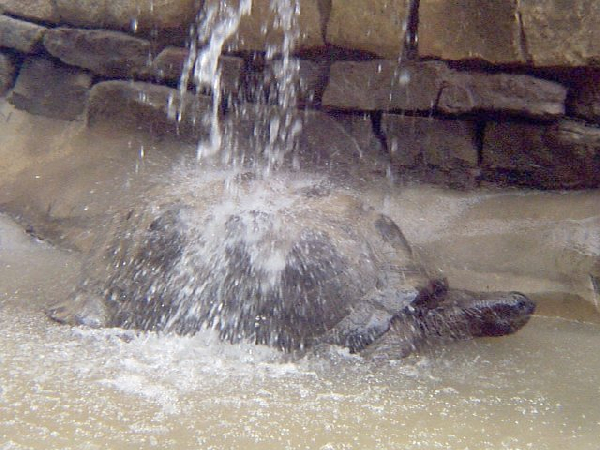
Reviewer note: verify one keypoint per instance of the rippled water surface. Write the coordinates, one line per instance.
(63, 388)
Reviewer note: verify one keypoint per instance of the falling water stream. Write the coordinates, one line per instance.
(77, 388)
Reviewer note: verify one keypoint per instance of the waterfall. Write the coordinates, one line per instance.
(275, 122)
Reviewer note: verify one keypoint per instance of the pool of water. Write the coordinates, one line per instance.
(75, 388)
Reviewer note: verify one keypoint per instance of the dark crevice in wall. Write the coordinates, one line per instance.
(33, 20)
(324, 7)
(479, 140)
(410, 50)
(376, 123)
(523, 37)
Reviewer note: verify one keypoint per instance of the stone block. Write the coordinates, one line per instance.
(322, 142)
(261, 28)
(147, 107)
(382, 85)
(468, 92)
(7, 73)
(48, 88)
(39, 10)
(432, 86)
(584, 98)
(131, 15)
(375, 26)
(359, 127)
(108, 53)
(267, 81)
(22, 36)
(561, 155)
(471, 30)
(561, 33)
(421, 141)
(169, 64)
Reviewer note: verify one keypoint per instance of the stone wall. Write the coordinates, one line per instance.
(501, 91)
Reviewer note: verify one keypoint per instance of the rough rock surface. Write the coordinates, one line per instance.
(467, 92)
(561, 33)
(168, 65)
(380, 85)
(375, 26)
(470, 29)
(127, 14)
(564, 154)
(414, 141)
(260, 82)
(108, 53)
(41, 10)
(431, 85)
(324, 143)
(20, 35)
(584, 98)
(257, 29)
(372, 151)
(148, 107)
(546, 33)
(49, 88)
(7, 73)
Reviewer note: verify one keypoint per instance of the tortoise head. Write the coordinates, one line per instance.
(463, 314)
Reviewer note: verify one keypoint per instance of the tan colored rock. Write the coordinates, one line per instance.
(20, 35)
(257, 29)
(169, 64)
(375, 26)
(381, 85)
(49, 88)
(436, 142)
(470, 29)
(128, 14)
(109, 53)
(42, 10)
(559, 33)
(469, 92)
(147, 107)
(560, 155)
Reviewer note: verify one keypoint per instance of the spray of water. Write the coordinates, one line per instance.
(255, 249)
(274, 129)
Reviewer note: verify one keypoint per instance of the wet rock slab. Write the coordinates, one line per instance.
(381, 85)
(561, 33)
(170, 62)
(376, 26)
(561, 155)
(544, 33)
(584, 98)
(108, 53)
(40, 10)
(147, 107)
(261, 81)
(434, 150)
(470, 29)
(48, 88)
(20, 35)
(128, 14)
(517, 94)
(432, 85)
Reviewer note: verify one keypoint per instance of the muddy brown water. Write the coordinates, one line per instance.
(75, 388)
